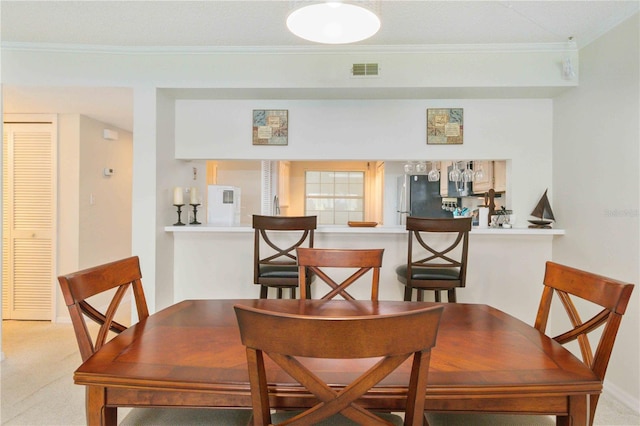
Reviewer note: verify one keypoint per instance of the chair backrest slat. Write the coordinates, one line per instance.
(318, 261)
(77, 287)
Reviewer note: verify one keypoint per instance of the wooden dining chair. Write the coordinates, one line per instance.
(436, 256)
(274, 257)
(113, 281)
(77, 287)
(286, 337)
(601, 292)
(320, 261)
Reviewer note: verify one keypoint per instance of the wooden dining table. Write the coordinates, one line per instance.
(190, 355)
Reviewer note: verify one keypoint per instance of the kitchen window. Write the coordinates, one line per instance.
(336, 197)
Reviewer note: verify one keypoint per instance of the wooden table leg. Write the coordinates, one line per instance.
(98, 414)
(578, 412)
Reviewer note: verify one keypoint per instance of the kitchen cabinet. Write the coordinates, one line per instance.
(495, 176)
(480, 186)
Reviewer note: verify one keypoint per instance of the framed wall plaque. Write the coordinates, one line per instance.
(270, 127)
(445, 126)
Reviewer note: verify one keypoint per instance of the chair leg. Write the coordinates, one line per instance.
(420, 295)
(279, 292)
(451, 295)
(407, 294)
(437, 295)
(292, 293)
(263, 291)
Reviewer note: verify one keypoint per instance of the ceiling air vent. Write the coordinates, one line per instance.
(365, 70)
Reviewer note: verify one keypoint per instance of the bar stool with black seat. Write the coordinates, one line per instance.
(437, 256)
(274, 252)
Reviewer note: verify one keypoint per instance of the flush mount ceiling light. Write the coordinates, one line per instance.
(333, 22)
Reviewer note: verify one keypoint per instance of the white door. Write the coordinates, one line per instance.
(28, 220)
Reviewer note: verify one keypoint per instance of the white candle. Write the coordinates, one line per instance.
(193, 197)
(177, 196)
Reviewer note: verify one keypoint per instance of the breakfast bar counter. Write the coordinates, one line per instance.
(506, 266)
(344, 229)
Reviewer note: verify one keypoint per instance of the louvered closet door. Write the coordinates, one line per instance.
(29, 219)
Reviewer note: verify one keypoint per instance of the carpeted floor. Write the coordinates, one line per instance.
(37, 389)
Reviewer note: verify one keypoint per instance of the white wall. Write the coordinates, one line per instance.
(596, 155)
(68, 250)
(530, 68)
(514, 129)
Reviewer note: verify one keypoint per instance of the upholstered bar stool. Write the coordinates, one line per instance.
(437, 256)
(274, 253)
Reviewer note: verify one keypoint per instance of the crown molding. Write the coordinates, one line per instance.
(205, 50)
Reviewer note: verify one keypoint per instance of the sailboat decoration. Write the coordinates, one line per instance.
(543, 211)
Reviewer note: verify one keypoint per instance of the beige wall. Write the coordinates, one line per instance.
(596, 156)
(247, 176)
(104, 201)
(90, 234)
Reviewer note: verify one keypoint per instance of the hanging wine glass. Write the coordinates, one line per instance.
(467, 174)
(421, 167)
(479, 173)
(409, 167)
(455, 175)
(434, 173)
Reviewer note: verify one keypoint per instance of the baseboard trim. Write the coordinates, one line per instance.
(615, 392)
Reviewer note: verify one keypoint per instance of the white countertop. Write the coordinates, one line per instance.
(344, 229)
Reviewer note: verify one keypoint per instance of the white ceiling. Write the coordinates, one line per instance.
(148, 24)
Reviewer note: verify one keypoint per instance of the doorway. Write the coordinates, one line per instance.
(29, 218)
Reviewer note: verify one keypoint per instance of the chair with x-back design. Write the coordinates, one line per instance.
(320, 261)
(274, 258)
(610, 295)
(437, 256)
(286, 338)
(79, 286)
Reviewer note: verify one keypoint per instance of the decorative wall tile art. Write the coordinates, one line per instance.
(445, 126)
(270, 126)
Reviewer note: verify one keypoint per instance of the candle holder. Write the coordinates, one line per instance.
(195, 215)
(179, 222)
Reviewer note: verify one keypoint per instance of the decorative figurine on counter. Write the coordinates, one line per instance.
(490, 205)
(543, 212)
